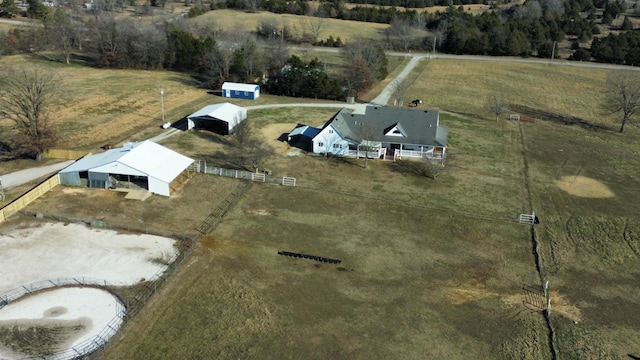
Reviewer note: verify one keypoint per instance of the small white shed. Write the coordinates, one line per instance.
(219, 118)
(240, 91)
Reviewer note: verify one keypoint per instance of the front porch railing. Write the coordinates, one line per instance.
(371, 154)
(399, 154)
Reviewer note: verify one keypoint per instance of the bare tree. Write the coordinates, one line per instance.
(251, 5)
(61, 32)
(218, 63)
(497, 104)
(276, 55)
(242, 133)
(317, 24)
(399, 33)
(248, 149)
(623, 96)
(370, 138)
(255, 152)
(399, 88)
(25, 99)
(248, 57)
(428, 167)
(366, 64)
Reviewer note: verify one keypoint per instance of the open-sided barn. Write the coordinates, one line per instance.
(145, 164)
(240, 91)
(219, 118)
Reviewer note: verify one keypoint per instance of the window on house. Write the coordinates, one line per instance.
(246, 93)
(320, 144)
(330, 131)
(337, 146)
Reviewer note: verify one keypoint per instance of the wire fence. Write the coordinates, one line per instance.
(131, 299)
(209, 223)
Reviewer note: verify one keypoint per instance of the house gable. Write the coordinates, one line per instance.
(395, 130)
(396, 125)
(329, 140)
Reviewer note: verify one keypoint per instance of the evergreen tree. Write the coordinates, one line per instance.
(8, 8)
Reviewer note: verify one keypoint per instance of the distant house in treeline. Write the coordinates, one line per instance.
(240, 91)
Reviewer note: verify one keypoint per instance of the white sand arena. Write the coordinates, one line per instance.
(56, 250)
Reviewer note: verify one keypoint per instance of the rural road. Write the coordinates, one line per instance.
(20, 23)
(18, 178)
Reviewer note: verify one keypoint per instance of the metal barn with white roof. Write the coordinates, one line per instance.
(145, 164)
(240, 91)
(219, 118)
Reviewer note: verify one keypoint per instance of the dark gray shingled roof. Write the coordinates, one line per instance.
(420, 126)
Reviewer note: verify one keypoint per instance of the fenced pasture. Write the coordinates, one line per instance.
(556, 91)
(428, 259)
(429, 269)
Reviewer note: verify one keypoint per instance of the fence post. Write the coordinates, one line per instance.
(546, 294)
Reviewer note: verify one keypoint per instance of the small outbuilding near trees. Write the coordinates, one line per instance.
(240, 91)
(145, 164)
(219, 118)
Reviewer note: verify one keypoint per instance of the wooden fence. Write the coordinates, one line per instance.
(65, 154)
(26, 199)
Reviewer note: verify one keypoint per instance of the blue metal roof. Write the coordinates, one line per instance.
(305, 130)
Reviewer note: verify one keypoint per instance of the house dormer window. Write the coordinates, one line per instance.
(395, 130)
(330, 131)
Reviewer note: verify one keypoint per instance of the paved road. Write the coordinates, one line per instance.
(499, 59)
(357, 108)
(21, 177)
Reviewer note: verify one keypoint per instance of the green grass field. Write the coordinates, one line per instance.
(430, 269)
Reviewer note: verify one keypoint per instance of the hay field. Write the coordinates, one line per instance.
(462, 86)
(345, 29)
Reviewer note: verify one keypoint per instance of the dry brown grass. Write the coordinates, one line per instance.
(462, 86)
(432, 269)
(345, 29)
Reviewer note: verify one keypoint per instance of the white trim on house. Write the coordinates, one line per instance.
(397, 130)
(329, 142)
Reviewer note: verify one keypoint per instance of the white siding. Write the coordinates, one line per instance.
(159, 187)
(330, 141)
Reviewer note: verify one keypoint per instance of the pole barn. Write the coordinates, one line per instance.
(219, 118)
(145, 165)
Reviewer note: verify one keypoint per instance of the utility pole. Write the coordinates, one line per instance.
(434, 44)
(553, 51)
(162, 102)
